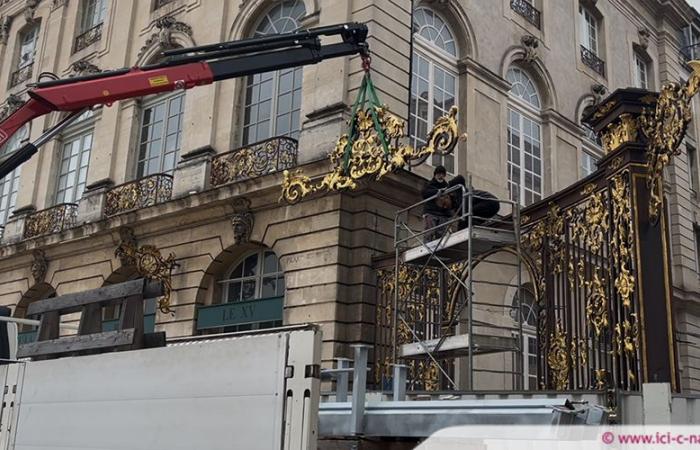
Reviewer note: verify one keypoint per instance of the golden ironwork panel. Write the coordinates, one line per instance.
(141, 193)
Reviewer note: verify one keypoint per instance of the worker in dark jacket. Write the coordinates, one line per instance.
(443, 207)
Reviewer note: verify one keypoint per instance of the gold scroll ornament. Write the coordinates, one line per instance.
(367, 155)
(665, 128)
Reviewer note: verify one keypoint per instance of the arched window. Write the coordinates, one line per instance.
(524, 139)
(528, 316)
(255, 286)
(273, 99)
(434, 78)
(10, 183)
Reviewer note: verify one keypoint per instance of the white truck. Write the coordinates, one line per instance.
(252, 391)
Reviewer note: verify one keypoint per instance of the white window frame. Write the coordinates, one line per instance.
(152, 103)
(589, 160)
(436, 57)
(525, 110)
(590, 30)
(11, 180)
(294, 111)
(641, 71)
(24, 41)
(89, 20)
(258, 278)
(84, 127)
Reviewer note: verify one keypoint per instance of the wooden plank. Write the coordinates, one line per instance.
(108, 339)
(91, 319)
(48, 326)
(132, 317)
(106, 295)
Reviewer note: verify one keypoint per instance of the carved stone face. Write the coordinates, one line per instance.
(242, 227)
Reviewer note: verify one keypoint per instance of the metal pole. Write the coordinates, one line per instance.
(359, 387)
(341, 383)
(400, 371)
(520, 355)
(470, 309)
(34, 323)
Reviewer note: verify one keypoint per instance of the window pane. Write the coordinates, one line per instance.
(234, 292)
(270, 264)
(273, 99)
(248, 290)
(269, 287)
(250, 268)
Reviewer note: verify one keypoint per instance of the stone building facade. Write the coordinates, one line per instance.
(157, 173)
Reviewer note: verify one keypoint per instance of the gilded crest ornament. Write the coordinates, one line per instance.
(665, 128)
(150, 264)
(558, 359)
(372, 148)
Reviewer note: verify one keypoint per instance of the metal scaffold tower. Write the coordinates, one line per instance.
(439, 301)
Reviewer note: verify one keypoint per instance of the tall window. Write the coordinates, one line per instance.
(10, 183)
(693, 169)
(27, 47)
(434, 78)
(524, 139)
(589, 164)
(273, 99)
(528, 316)
(589, 30)
(161, 134)
(93, 14)
(75, 158)
(641, 71)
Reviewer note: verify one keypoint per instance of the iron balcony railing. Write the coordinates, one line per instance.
(261, 158)
(51, 220)
(527, 10)
(21, 75)
(592, 60)
(88, 38)
(2, 232)
(141, 193)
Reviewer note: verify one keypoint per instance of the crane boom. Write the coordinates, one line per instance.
(181, 69)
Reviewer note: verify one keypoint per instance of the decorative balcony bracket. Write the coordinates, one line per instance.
(372, 148)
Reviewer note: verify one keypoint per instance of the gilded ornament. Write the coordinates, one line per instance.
(374, 152)
(588, 189)
(601, 376)
(558, 359)
(606, 108)
(616, 163)
(141, 193)
(665, 127)
(150, 264)
(51, 220)
(618, 133)
(597, 304)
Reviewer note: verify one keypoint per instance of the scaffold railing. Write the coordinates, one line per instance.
(439, 326)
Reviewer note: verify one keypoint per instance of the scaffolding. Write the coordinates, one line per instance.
(442, 329)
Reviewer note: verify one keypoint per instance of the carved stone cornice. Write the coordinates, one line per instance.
(530, 45)
(5, 23)
(166, 26)
(30, 7)
(83, 67)
(12, 103)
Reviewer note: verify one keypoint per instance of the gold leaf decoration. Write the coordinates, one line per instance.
(373, 155)
(665, 127)
(558, 359)
(151, 265)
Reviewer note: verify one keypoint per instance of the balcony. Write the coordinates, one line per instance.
(141, 193)
(88, 38)
(51, 220)
(261, 158)
(527, 10)
(21, 75)
(590, 59)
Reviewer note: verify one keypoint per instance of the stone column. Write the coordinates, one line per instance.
(14, 228)
(91, 207)
(193, 172)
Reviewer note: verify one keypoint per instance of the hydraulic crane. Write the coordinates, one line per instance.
(182, 68)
